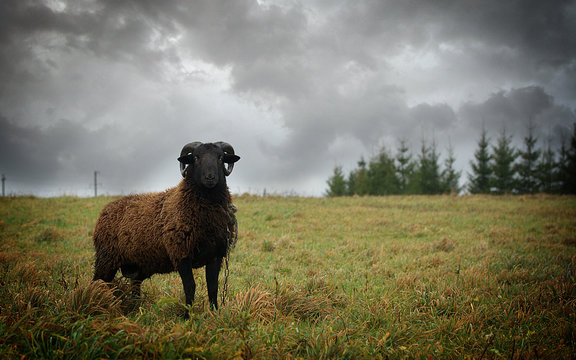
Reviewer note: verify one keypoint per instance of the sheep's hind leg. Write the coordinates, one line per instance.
(185, 271)
(212, 272)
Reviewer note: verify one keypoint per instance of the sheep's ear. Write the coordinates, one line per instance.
(230, 158)
(186, 159)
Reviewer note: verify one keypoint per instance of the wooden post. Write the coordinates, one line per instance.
(95, 183)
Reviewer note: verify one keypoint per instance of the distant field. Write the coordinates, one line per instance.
(347, 278)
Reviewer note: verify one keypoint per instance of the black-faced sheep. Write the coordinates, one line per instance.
(185, 227)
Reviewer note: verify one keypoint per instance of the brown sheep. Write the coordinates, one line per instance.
(185, 227)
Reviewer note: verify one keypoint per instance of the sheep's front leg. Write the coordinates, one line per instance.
(212, 272)
(185, 271)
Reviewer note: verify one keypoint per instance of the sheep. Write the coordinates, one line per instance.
(185, 227)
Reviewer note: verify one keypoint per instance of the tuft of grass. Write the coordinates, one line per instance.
(255, 304)
(268, 246)
(96, 298)
(50, 235)
(301, 305)
(444, 245)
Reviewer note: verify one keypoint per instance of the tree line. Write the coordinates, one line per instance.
(497, 168)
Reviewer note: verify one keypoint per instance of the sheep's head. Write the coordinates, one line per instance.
(207, 164)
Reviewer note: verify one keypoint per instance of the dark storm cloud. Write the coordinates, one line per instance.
(281, 80)
(65, 154)
(517, 110)
(32, 156)
(538, 30)
(38, 41)
(438, 117)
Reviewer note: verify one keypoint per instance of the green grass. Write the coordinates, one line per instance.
(348, 278)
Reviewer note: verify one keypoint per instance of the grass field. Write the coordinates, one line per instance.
(346, 278)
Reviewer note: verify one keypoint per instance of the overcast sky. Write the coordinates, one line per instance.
(297, 87)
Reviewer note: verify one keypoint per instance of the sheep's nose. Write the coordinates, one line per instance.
(210, 177)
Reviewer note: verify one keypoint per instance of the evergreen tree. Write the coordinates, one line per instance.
(481, 170)
(450, 176)
(503, 169)
(337, 183)
(428, 172)
(404, 167)
(527, 168)
(546, 171)
(351, 183)
(359, 180)
(567, 167)
(571, 173)
(382, 173)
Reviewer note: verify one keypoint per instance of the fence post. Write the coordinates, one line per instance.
(95, 183)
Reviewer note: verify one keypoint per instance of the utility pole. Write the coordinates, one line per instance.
(3, 187)
(95, 183)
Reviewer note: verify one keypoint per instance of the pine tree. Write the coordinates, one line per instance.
(567, 167)
(428, 172)
(481, 170)
(351, 183)
(382, 173)
(503, 169)
(450, 176)
(546, 171)
(359, 180)
(337, 183)
(527, 168)
(404, 167)
(571, 173)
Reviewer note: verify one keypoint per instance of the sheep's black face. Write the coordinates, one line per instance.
(206, 165)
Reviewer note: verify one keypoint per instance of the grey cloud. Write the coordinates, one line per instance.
(434, 117)
(314, 75)
(61, 154)
(119, 31)
(518, 109)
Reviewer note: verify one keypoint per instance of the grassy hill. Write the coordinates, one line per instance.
(370, 277)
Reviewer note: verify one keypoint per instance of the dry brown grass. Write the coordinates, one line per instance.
(96, 298)
(256, 304)
(50, 234)
(315, 301)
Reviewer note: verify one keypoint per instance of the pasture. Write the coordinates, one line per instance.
(341, 278)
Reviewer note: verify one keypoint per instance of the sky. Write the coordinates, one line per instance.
(296, 87)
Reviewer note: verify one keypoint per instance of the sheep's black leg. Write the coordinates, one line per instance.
(185, 271)
(212, 272)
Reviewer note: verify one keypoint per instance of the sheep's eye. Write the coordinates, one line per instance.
(196, 159)
(220, 158)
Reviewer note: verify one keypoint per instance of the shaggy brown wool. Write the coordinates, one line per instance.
(152, 233)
